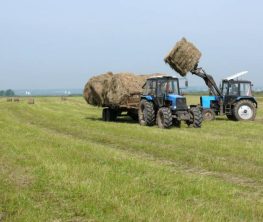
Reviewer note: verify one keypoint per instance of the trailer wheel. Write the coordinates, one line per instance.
(244, 110)
(146, 113)
(104, 114)
(164, 118)
(109, 114)
(208, 114)
(195, 118)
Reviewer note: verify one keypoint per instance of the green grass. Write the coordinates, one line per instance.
(60, 162)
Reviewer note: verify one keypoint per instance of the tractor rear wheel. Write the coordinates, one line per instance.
(208, 114)
(164, 118)
(146, 113)
(244, 110)
(195, 118)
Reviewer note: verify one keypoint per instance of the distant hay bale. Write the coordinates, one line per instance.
(183, 57)
(63, 98)
(9, 99)
(113, 89)
(31, 101)
(16, 99)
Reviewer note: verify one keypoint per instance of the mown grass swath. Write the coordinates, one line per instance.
(60, 162)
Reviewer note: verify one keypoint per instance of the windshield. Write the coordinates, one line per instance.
(169, 86)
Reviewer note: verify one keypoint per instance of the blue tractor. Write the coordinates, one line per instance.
(162, 103)
(234, 99)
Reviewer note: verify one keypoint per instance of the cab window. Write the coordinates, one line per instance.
(149, 88)
(233, 89)
(245, 89)
(224, 88)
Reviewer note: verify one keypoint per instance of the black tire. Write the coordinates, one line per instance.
(164, 118)
(208, 114)
(113, 115)
(104, 114)
(146, 113)
(244, 110)
(109, 114)
(195, 118)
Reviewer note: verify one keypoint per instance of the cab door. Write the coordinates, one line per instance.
(232, 93)
(160, 92)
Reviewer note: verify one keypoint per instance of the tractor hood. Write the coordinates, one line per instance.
(176, 100)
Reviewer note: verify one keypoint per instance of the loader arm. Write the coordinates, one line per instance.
(209, 80)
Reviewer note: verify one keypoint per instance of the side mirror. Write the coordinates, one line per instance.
(186, 83)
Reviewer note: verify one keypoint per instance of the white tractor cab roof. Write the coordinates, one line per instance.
(232, 77)
(162, 76)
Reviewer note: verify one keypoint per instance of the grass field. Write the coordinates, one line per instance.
(60, 162)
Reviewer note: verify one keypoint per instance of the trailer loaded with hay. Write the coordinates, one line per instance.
(152, 99)
(116, 93)
(234, 99)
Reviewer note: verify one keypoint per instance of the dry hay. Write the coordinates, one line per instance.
(16, 99)
(9, 99)
(113, 89)
(183, 57)
(94, 89)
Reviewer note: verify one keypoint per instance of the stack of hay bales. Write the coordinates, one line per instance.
(183, 57)
(113, 89)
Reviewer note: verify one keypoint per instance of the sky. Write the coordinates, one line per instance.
(47, 44)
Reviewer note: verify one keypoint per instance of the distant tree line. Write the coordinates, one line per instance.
(8, 92)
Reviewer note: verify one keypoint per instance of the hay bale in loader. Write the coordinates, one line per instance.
(183, 57)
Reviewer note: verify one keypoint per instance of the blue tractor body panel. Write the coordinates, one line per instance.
(172, 98)
(206, 101)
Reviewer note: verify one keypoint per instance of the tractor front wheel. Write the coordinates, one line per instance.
(208, 114)
(146, 113)
(244, 110)
(195, 118)
(164, 118)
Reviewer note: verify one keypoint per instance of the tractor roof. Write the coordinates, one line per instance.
(163, 77)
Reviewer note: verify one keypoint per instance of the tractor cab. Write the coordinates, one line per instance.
(162, 102)
(164, 91)
(232, 89)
